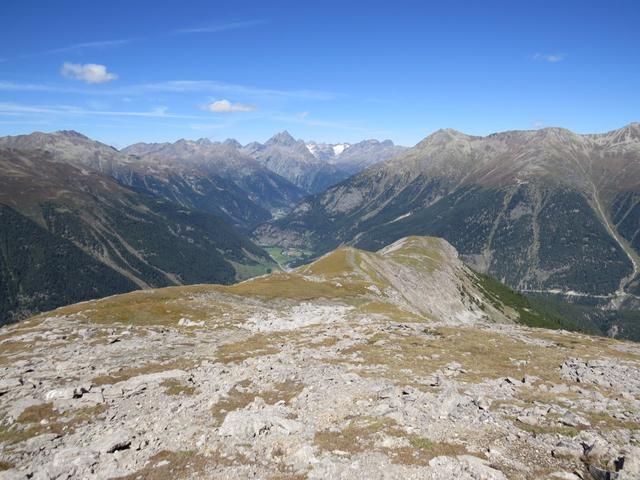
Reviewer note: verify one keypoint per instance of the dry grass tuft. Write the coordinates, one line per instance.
(40, 419)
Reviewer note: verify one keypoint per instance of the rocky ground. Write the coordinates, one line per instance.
(277, 378)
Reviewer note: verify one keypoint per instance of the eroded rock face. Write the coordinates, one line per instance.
(297, 377)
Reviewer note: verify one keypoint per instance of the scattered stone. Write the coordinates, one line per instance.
(530, 419)
(601, 474)
(114, 441)
(257, 420)
(66, 393)
(570, 419)
(185, 322)
(483, 403)
(566, 448)
(7, 384)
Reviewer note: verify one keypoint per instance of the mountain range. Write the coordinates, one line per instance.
(83, 220)
(314, 167)
(546, 211)
(202, 175)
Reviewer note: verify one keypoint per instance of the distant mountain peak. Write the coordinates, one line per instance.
(555, 131)
(71, 134)
(232, 142)
(443, 136)
(282, 138)
(447, 133)
(628, 133)
(204, 142)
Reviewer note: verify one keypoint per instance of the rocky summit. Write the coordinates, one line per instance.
(396, 364)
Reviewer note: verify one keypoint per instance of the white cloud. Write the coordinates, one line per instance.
(225, 106)
(552, 58)
(303, 115)
(89, 72)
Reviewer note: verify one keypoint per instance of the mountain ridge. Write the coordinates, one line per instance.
(494, 198)
(211, 177)
(116, 238)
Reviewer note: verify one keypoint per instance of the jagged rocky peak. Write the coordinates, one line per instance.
(283, 138)
(71, 134)
(204, 142)
(558, 135)
(233, 143)
(394, 364)
(628, 134)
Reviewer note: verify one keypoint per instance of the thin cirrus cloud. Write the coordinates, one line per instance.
(549, 57)
(221, 27)
(98, 45)
(103, 44)
(176, 86)
(88, 72)
(77, 47)
(18, 109)
(225, 106)
(182, 86)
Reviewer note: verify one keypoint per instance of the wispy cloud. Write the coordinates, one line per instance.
(549, 57)
(76, 47)
(31, 87)
(210, 86)
(88, 72)
(85, 45)
(221, 27)
(22, 109)
(175, 86)
(104, 44)
(225, 106)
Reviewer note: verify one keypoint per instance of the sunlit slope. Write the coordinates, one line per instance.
(415, 277)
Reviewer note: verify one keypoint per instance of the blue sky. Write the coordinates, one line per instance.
(137, 70)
